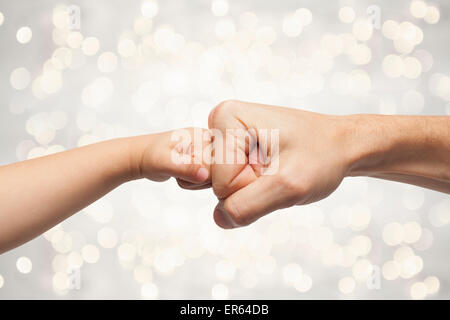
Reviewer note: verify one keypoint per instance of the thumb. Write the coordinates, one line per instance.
(264, 195)
(191, 172)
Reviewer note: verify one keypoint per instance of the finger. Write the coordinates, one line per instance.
(252, 202)
(194, 173)
(184, 158)
(230, 170)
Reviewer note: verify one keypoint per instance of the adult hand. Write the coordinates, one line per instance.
(311, 160)
(314, 153)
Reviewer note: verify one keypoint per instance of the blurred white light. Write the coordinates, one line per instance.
(393, 66)
(361, 54)
(90, 253)
(126, 48)
(433, 15)
(101, 211)
(266, 35)
(418, 8)
(248, 20)
(24, 265)
(97, 92)
(142, 25)
(332, 44)
(347, 285)
(391, 29)
(149, 8)
(362, 29)
(391, 270)
(149, 291)
(360, 217)
(393, 234)
(347, 14)
(61, 241)
(60, 281)
(412, 232)
(20, 78)
(107, 237)
(107, 62)
(143, 274)
(403, 253)
(291, 272)
(126, 252)
(411, 68)
(362, 269)
(74, 260)
(60, 16)
(74, 39)
(219, 8)
(51, 81)
(432, 283)
(292, 25)
(303, 283)
(304, 15)
(90, 46)
(61, 59)
(418, 291)
(225, 29)
(24, 35)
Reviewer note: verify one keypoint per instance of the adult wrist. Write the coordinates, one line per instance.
(371, 143)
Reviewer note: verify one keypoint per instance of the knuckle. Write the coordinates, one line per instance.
(291, 185)
(238, 217)
(220, 190)
(220, 110)
(226, 105)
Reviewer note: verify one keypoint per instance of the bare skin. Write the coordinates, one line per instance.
(317, 151)
(37, 194)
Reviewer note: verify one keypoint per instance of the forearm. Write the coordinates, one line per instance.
(39, 193)
(410, 149)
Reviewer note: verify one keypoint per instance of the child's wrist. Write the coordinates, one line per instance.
(136, 150)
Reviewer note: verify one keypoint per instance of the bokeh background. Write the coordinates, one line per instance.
(136, 67)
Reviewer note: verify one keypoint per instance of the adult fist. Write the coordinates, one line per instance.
(285, 157)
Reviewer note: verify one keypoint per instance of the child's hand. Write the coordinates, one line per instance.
(37, 194)
(184, 154)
